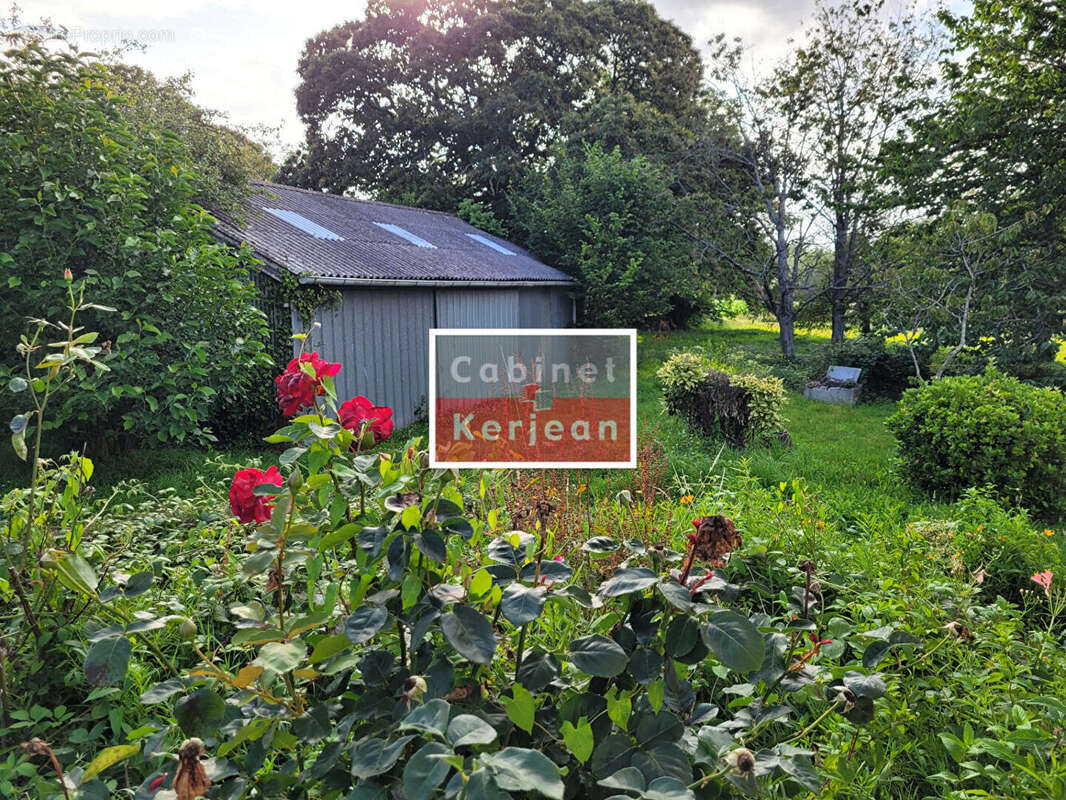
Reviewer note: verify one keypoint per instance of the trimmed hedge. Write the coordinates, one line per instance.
(985, 430)
(743, 409)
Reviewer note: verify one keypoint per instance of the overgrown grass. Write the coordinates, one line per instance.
(844, 453)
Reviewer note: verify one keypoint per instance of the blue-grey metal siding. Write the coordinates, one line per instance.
(380, 335)
(544, 308)
(381, 338)
(477, 308)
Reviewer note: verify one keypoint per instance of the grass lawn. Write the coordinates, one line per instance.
(845, 454)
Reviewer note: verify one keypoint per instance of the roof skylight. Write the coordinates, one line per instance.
(418, 241)
(489, 243)
(304, 224)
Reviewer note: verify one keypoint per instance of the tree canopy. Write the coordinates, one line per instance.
(993, 137)
(224, 158)
(995, 132)
(435, 101)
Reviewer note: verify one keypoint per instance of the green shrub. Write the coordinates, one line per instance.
(887, 369)
(609, 223)
(985, 430)
(743, 409)
(1002, 545)
(84, 190)
(722, 308)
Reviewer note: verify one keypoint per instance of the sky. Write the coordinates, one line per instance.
(243, 53)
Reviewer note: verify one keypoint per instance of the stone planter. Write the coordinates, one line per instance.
(840, 387)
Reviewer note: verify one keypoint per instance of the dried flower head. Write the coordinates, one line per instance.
(958, 629)
(39, 747)
(742, 761)
(542, 511)
(459, 693)
(413, 688)
(714, 538)
(401, 500)
(190, 781)
(842, 694)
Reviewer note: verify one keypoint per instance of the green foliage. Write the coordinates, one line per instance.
(887, 367)
(480, 216)
(225, 159)
(1002, 61)
(726, 308)
(606, 221)
(1000, 546)
(425, 591)
(976, 139)
(521, 74)
(950, 690)
(744, 409)
(985, 430)
(84, 189)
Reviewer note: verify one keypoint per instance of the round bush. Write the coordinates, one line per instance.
(985, 430)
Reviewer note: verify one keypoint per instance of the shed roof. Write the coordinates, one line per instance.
(326, 238)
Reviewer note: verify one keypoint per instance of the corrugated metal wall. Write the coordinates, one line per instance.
(477, 308)
(544, 308)
(381, 335)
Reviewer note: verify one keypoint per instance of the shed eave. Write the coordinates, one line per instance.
(439, 283)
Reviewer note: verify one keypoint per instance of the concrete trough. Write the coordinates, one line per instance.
(840, 386)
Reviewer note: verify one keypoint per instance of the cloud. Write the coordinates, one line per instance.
(242, 53)
(764, 27)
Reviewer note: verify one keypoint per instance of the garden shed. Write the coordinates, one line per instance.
(398, 272)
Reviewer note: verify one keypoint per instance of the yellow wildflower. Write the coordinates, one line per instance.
(686, 499)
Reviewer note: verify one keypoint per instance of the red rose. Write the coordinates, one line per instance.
(297, 389)
(358, 410)
(246, 505)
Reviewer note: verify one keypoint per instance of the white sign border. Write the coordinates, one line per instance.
(630, 464)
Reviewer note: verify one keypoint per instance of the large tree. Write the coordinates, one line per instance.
(862, 75)
(436, 101)
(761, 207)
(996, 137)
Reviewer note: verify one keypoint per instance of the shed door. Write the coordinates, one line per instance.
(477, 308)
